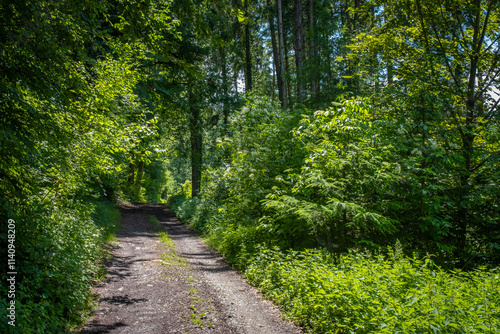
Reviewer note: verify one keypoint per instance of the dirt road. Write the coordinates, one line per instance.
(151, 288)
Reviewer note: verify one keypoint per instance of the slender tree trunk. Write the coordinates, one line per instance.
(225, 107)
(348, 18)
(480, 105)
(248, 55)
(273, 87)
(276, 60)
(350, 33)
(390, 67)
(313, 51)
(281, 77)
(354, 81)
(328, 59)
(287, 70)
(236, 33)
(424, 156)
(356, 16)
(235, 78)
(390, 74)
(140, 170)
(196, 145)
(299, 49)
(131, 169)
(469, 132)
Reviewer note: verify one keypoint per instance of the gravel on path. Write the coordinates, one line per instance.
(191, 291)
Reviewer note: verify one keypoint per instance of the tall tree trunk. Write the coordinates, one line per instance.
(356, 16)
(328, 59)
(287, 69)
(140, 170)
(248, 55)
(348, 18)
(313, 51)
(236, 33)
(131, 169)
(423, 163)
(281, 42)
(273, 87)
(390, 67)
(390, 73)
(352, 22)
(276, 60)
(299, 49)
(469, 130)
(225, 106)
(352, 82)
(196, 145)
(235, 77)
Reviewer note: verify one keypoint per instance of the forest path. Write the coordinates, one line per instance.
(150, 289)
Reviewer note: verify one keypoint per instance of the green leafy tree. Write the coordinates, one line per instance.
(443, 58)
(341, 192)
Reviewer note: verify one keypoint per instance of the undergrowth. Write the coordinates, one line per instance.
(53, 285)
(360, 293)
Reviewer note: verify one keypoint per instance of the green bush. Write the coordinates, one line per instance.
(158, 182)
(185, 208)
(360, 293)
(340, 178)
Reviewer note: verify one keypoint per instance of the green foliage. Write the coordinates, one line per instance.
(185, 190)
(49, 189)
(445, 103)
(348, 176)
(137, 193)
(183, 204)
(342, 178)
(107, 218)
(158, 182)
(360, 293)
(87, 86)
(339, 190)
(184, 208)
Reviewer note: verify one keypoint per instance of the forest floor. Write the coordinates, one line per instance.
(188, 288)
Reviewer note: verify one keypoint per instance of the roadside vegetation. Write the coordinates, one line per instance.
(364, 293)
(66, 255)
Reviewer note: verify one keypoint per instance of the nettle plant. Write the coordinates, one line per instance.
(362, 293)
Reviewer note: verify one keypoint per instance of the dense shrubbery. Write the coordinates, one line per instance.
(349, 176)
(256, 156)
(358, 293)
(58, 251)
(69, 119)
